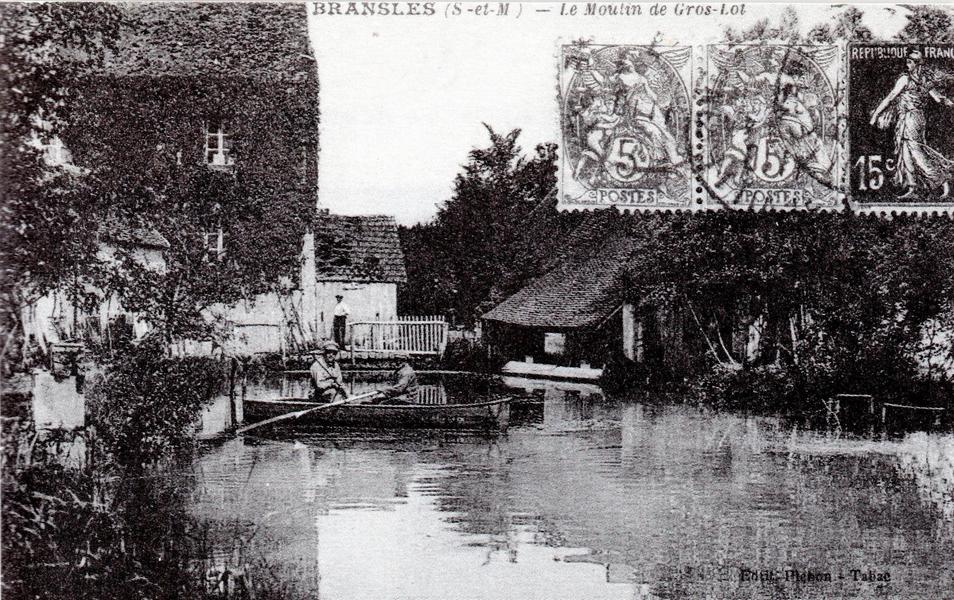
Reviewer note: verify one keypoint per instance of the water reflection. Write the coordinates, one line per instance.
(596, 499)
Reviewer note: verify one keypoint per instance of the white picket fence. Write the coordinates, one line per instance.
(431, 394)
(406, 335)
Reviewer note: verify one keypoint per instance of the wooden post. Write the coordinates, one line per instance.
(281, 339)
(232, 411)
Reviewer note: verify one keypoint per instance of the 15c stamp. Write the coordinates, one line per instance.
(901, 114)
(625, 122)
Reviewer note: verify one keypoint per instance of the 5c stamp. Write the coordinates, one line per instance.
(767, 126)
(625, 124)
(771, 126)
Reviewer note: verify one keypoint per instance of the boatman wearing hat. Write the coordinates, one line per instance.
(403, 388)
(340, 322)
(326, 380)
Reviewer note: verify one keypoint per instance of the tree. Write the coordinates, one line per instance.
(497, 231)
(927, 24)
(839, 301)
(47, 219)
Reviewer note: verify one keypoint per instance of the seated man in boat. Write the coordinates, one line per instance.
(326, 381)
(403, 388)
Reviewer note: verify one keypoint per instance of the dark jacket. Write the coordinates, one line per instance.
(405, 382)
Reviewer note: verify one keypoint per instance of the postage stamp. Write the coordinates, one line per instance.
(771, 127)
(625, 117)
(900, 118)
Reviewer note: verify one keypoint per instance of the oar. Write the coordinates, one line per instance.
(299, 413)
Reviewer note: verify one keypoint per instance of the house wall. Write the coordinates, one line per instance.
(367, 301)
(265, 323)
(52, 314)
(304, 315)
(632, 334)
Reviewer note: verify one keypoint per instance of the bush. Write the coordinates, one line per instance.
(766, 387)
(468, 355)
(144, 406)
(61, 540)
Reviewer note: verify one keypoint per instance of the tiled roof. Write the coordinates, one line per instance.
(580, 292)
(255, 39)
(358, 248)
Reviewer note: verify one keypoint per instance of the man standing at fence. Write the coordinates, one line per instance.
(340, 323)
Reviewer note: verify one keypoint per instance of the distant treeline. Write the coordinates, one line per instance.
(833, 297)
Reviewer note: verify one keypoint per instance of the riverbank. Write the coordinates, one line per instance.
(92, 506)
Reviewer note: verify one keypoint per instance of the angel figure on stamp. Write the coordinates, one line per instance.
(599, 121)
(743, 113)
(919, 166)
(769, 78)
(798, 128)
(772, 116)
(643, 105)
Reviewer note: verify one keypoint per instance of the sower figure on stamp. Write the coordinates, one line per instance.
(340, 323)
(919, 166)
(326, 380)
(403, 388)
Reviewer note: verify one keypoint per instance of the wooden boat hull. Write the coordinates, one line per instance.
(488, 416)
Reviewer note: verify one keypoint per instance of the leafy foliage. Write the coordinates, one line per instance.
(838, 300)
(463, 354)
(62, 538)
(158, 176)
(134, 108)
(47, 220)
(499, 229)
(928, 24)
(145, 404)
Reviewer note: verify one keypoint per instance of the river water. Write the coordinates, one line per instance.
(586, 497)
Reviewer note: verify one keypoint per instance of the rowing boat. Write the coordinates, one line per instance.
(491, 416)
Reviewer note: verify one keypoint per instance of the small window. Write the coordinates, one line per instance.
(55, 154)
(52, 150)
(214, 243)
(554, 343)
(218, 145)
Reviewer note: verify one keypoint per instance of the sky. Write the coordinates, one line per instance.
(403, 99)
